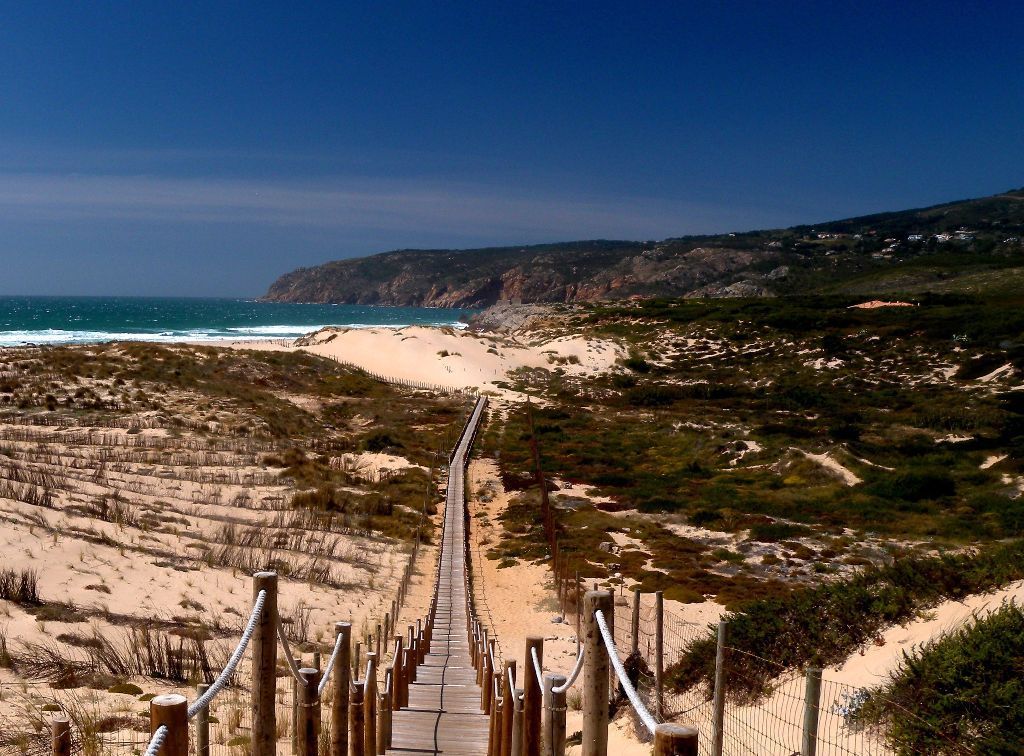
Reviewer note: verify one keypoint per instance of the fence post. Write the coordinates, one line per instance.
(296, 685)
(579, 610)
(554, 717)
(517, 722)
(170, 710)
(494, 739)
(384, 715)
(203, 725)
(532, 697)
(397, 664)
(264, 668)
(718, 713)
(595, 676)
(60, 732)
(634, 630)
(659, 654)
(370, 705)
(308, 725)
(812, 703)
(355, 719)
(508, 707)
(675, 740)
(486, 686)
(339, 706)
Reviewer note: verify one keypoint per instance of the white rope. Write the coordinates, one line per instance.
(536, 667)
(157, 741)
(229, 669)
(572, 675)
(613, 655)
(287, 650)
(330, 664)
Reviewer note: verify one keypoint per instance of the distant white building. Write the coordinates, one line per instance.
(915, 238)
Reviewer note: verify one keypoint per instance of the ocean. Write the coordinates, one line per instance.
(74, 320)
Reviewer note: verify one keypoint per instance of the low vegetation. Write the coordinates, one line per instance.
(823, 625)
(963, 688)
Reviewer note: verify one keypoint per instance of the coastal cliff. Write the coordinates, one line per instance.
(940, 248)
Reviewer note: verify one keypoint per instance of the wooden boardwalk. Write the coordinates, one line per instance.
(444, 713)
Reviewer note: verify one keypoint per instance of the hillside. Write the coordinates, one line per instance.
(972, 245)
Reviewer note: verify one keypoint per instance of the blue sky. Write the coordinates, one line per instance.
(204, 148)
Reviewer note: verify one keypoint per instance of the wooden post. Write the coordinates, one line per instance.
(675, 740)
(342, 684)
(264, 668)
(533, 704)
(377, 638)
(485, 686)
(595, 676)
(60, 735)
(659, 654)
(355, 719)
(553, 741)
(812, 704)
(517, 722)
(407, 672)
(384, 715)
(396, 664)
(579, 613)
(296, 694)
(170, 710)
(202, 724)
(308, 724)
(355, 660)
(507, 707)
(718, 710)
(494, 736)
(634, 630)
(370, 705)
(316, 660)
(387, 624)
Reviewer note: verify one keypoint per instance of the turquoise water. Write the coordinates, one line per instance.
(69, 320)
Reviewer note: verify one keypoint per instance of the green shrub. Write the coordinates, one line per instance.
(962, 688)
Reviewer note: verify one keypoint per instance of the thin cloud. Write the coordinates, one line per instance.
(376, 205)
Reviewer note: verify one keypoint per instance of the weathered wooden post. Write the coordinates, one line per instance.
(579, 612)
(675, 740)
(486, 676)
(408, 670)
(718, 710)
(264, 668)
(170, 711)
(659, 654)
(634, 630)
(595, 676)
(316, 660)
(396, 665)
(494, 741)
(60, 735)
(812, 704)
(554, 717)
(384, 714)
(355, 719)
(533, 704)
(376, 639)
(355, 660)
(517, 722)
(508, 707)
(414, 653)
(202, 724)
(296, 694)
(370, 705)
(308, 724)
(342, 685)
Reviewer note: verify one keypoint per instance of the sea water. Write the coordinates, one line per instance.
(70, 320)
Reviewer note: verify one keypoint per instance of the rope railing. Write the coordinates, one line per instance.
(570, 681)
(156, 742)
(613, 656)
(289, 659)
(330, 664)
